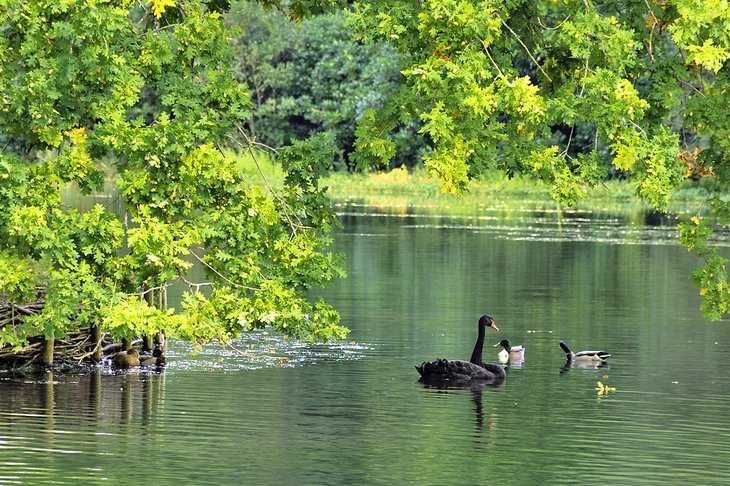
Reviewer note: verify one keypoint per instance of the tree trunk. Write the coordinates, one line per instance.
(149, 297)
(48, 347)
(96, 339)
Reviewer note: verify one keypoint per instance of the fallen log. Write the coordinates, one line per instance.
(74, 350)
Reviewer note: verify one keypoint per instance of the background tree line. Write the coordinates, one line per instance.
(312, 77)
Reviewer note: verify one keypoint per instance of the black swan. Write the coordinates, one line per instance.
(584, 356)
(464, 371)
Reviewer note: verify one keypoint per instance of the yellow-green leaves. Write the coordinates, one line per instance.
(653, 161)
(17, 279)
(709, 55)
(75, 163)
(64, 66)
(448, 164)
(566, 91)
(158, 248)
(711, 278)
(99, 236)
(128, 318)
(147, 93)
(159, 6)
(600, 41)
(659, 170)
(701, 29)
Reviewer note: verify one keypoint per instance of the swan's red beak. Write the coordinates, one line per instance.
(494, 326)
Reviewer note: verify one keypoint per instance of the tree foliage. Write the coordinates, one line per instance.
(566, 91)
(144, 92)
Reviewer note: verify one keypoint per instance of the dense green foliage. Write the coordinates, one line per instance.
(144, 91)
(311, 77)
(565, 91)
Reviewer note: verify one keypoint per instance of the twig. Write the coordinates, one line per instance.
(583, 83)
(570, 139)
(142, 294)
(196, 285)
(221, 275)
(560, 24)
(651, 34)
(284, 205)
(639, 128)
(692, 87)
(526, 49)
(86, 355)
(499, 71)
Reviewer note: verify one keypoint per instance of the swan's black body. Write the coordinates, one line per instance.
(456, 371)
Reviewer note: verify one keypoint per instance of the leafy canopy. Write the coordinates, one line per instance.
(567, 91)
(143, 92)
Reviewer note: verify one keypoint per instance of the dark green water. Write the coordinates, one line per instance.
(274, 411)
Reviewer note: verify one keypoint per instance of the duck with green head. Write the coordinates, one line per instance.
(509, 352)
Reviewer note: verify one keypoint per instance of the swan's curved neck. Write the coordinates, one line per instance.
(476, 355)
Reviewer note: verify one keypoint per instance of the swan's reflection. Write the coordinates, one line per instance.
(475, 386)
(445, 384)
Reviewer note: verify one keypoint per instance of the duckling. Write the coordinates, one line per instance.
(156, 359)
(509, 352)
(584, 356)
(126, 359)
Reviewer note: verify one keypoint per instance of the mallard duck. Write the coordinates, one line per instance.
(584, 356)
(509, 352)
(463, 371)
(126, 359)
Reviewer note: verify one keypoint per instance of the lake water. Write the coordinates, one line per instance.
(276, 411)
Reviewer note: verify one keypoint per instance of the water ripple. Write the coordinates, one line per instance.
(262, 349)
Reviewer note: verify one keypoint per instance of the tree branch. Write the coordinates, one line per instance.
(526, 49)
(639, 128)
(196, 285)
(250, 150)
(499, 71)
(234, 284)
(651, 34)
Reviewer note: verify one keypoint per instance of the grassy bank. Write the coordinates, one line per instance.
(401, 188)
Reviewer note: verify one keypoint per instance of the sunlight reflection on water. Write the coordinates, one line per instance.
(262, 349)
(541, 224)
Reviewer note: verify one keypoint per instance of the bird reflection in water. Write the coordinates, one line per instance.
(476, 387)
(588, 365)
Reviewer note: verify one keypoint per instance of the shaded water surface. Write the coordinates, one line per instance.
(274, 411)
